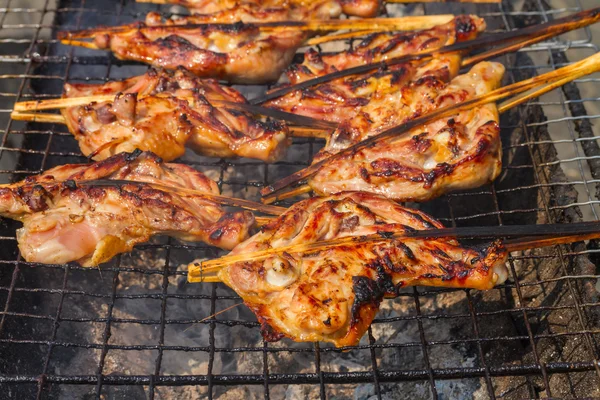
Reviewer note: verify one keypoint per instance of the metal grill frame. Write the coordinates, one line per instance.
(14, 271)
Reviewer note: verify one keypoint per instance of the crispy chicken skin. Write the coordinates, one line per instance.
(338, 99)
(163, 112)
(238, 53)
(333, 295)
(359, 8)
(64, 220)
(455, 153)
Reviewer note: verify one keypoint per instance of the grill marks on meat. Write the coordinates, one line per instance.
(149, 112)
(455, 153)
(333, 295)
(388, 108)
(297, 8)
(65, 221)
(237, 53)
(337, 100)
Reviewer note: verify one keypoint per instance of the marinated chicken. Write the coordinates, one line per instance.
(65, 219)
(333, 295)
(163, 112)
(340, 99)
(359, 8)
(460, 152)
(250, 12)
(238, 53)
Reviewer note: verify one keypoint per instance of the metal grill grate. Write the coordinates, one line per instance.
(135, 329)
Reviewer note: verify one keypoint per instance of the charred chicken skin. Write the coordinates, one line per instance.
(359, 8)
(338, 99)
(66, 220)
(455, 153)
(163, 112)
(238, 53)
(333, 295)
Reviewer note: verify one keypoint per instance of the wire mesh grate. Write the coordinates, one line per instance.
(134, 328)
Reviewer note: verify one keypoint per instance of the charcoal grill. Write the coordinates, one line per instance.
(134, 328)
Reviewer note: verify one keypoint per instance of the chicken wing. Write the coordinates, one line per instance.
(333, 295)
(68, 218)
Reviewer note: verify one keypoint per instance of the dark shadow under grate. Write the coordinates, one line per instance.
(135, 329)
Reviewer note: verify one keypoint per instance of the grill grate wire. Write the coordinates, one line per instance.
(548, 177)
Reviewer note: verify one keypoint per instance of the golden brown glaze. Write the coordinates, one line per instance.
(249, 12)
(238, 53)
(65, 220)
(460, 152)
(333, 295)
(163, 112)
(359, 8)
(340, 99)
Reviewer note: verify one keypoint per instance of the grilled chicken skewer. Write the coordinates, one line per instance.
(165, 112)
(359, 8)
(340, 99)
(250, 12)
(453, 153)
(66, 217)
(332, 295)
(458, 153)
(494, 45)
(239, 53)
(452, 144)
(311, 274)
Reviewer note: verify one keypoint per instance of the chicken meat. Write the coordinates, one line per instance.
(339, 99)
(333, 295)
(66, 217)
(249, 12)
(359, 8)
(460, 152)
(165, 111)
(238, 53)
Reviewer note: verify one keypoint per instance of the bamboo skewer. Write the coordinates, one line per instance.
(295, 131)
(38, 117)
(79, 43)
(279, 190)
(528, 35)
(400, 23)
(523, 237)
(339, 36)
(61, 103)
(225, 200)
(304, 132)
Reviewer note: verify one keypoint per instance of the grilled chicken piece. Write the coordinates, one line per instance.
(250, 12)
(333, 295)
(339, 99)
(238, 53)
(163, 111)
(359, 8)
(460, 152)
(65, 220)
